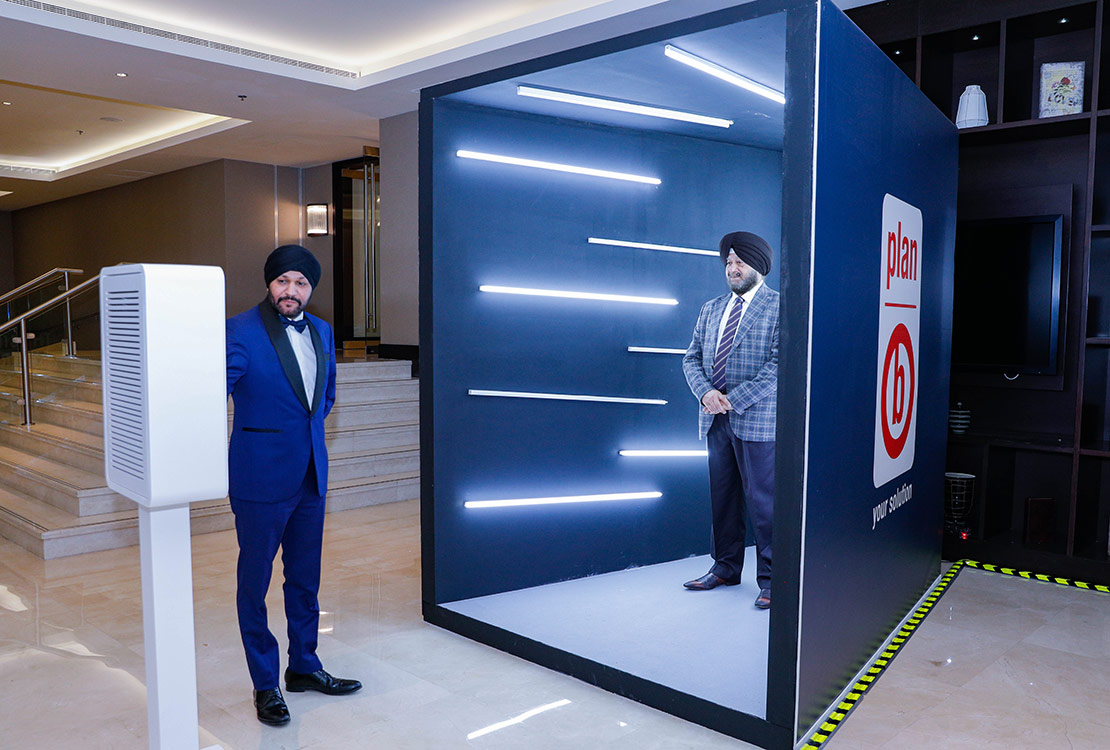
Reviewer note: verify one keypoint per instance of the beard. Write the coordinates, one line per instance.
(276, 304)
(745, 282)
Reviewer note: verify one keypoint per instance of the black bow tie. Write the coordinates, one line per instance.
(300, 325)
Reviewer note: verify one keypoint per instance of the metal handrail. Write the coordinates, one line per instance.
(36, 282)
(24, 353)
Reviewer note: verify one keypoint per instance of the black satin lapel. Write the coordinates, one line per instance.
(284, 350)
(321, 368)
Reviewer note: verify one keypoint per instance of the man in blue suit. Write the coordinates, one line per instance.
(731, 367)
(281, 376)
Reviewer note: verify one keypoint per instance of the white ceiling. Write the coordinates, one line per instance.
(271, 81)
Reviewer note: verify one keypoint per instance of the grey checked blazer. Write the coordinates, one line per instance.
(752, 369)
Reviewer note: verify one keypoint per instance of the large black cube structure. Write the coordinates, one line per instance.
(568, 240)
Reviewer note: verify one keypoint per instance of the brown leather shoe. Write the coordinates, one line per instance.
(708, 581)
(320, 681)
(270, 706)
(763, 601)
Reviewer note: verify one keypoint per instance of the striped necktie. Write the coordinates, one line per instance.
(724, 347)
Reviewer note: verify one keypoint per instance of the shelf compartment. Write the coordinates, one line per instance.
(1092, 508)
(903, 54)
(1026, 130)
(1098, 289)
(953, 60)
(1095, 425)
(1027, 496)
(1064, 35)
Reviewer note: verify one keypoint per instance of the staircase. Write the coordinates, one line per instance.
(53, 497)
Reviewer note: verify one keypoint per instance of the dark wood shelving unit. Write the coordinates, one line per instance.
(1039, 445)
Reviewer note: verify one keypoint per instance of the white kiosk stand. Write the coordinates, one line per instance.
(165, 446)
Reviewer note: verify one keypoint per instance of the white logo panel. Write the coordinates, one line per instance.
(896, 382)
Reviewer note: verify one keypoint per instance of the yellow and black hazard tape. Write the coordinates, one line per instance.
(820, 735)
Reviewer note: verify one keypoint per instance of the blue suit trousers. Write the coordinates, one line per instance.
(297, 526)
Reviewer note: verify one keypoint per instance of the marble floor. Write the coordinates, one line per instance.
(1000, 663)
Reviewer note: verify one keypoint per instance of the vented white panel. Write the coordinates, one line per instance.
(165, 383)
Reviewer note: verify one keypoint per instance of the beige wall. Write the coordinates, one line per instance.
(400, 210)
(225, 213)
(7, 271)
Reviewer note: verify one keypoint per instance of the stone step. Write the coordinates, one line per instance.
(51, 533)
(362, 437)
(373, 369)
(356, 415)
(370, 391)
(373, 463)
(56, 364)
(69, 447)
(48, 387)
(80, 493)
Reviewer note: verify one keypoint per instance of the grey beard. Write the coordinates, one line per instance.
(745, 285)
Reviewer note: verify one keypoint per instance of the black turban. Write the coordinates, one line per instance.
(292, 258)
(750, 248)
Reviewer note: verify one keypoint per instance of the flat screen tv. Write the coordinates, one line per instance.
(1008, 299)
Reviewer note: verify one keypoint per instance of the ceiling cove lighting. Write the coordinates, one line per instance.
(650, 246)
(724, 74)
(494, 289)
(619, 106)
(664, 453)
(655, 350)
(566, 397)
(562, 500)
(555, 167)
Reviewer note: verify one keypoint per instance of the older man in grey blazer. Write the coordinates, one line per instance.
(731, 367)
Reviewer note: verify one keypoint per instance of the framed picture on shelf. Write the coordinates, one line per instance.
(1061, 89)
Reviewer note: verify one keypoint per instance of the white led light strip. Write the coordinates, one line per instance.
(555, 167)
(650, 246)
(663, 453)
(655, 350)
(619, 106)
(566, 397)
(713, 69)
(494, 289)
(562, 500)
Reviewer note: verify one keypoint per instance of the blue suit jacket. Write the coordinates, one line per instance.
(752, 368)
(276, 430)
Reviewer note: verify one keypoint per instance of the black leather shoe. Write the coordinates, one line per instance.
(320, 681)
(763, 601)
(271, 707)
(708, 581)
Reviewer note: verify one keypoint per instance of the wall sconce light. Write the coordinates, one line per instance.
(316, 219)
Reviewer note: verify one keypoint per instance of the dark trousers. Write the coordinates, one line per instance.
(297, 526)
(741, 484)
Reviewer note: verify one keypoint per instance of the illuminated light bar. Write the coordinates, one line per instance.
(724, 74)
(516, 719)
(562, 500)
(664, 453)
(555, 167)
(566, 397)
(655, 350)
(619, 106)
(576, 295)
(650, 246)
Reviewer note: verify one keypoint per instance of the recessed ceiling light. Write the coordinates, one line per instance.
(111, 119)
(1063, 19)
(5, 192)
(121, 74)
(975, 38)
(897, 51)
(569, 97)
(7, 104)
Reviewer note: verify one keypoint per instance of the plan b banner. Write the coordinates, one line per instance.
(896, 383)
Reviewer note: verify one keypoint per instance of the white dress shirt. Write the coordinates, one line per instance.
(748, 296)
(306, 356)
